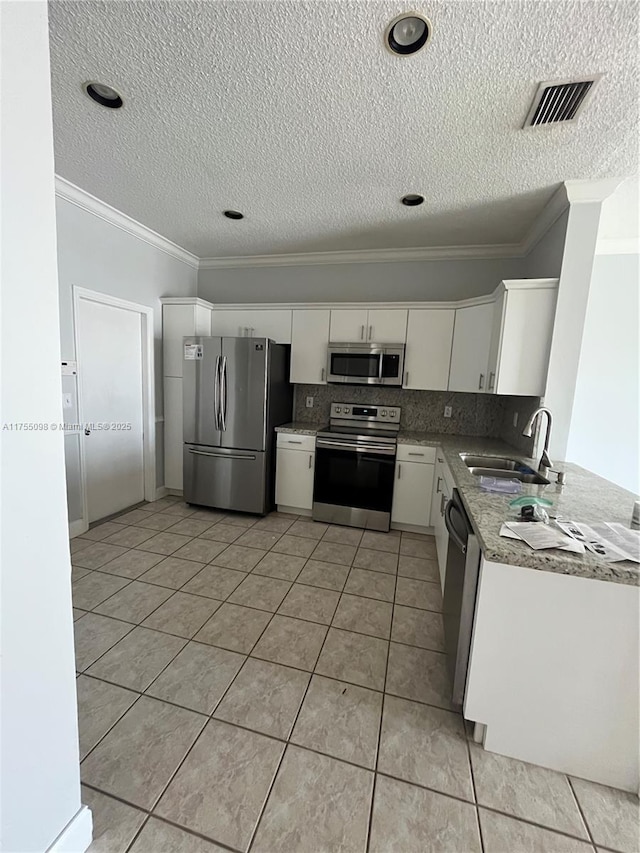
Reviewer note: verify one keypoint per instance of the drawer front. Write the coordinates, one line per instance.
(415, 453)
(297, 442)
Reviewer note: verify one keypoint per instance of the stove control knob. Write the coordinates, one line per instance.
(384, 413)
(338, 410)
(392, 413)
(346, 411)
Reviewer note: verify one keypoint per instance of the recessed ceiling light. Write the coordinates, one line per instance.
(103, 95)
(408, 33)
(233, 214)
(412, 200)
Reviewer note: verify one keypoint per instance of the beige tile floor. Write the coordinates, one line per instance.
(278, 685)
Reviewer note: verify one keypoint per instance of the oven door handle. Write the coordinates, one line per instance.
(356, 448)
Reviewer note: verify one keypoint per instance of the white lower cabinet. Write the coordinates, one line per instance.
(295, 465)
(413, 486)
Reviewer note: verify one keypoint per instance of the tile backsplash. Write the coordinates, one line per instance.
(472, 414)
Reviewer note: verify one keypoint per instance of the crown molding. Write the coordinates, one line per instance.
(363, 256)
(73, 194)
(591, 190)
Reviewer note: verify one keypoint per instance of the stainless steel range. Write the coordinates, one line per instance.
(355, 463)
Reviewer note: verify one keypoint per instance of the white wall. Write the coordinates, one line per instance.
(571, 309)
(605, 424)
(98, 255)
(40, 776)
(366, 282)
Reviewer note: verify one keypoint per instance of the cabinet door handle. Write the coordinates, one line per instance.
(442, 504)
(310, 461)
(293, 441)
(322, 375)
(399, 470)
(492, 377)
(438, 484)
(415, 454)
(481, 382)
(361, 333)
(406, 378)
(370, 333)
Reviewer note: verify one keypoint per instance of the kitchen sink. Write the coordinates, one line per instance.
(502, 467)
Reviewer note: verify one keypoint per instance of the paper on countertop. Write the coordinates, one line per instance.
(539, 536)
(570, 545)
(612, 541)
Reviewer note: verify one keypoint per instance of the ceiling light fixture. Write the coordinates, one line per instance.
(233, 214)
(103, 95)
(408, 33)
(412, 200)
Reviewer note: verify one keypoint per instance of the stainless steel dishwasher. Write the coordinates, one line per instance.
(460, 586)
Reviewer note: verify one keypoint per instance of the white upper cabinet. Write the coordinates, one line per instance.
(428, 352)
(523, 320)
(470, 352)
(348, 325)
(309, 339)
(252, 323)
(387, 327)
(378, 326)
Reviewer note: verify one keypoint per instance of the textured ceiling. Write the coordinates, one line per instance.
(295, 113)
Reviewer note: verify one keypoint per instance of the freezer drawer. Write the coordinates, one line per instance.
(226, 479)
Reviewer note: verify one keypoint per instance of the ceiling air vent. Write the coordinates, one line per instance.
(560, 100)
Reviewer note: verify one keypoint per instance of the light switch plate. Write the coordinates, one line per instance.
(309, 403)
(447, 411)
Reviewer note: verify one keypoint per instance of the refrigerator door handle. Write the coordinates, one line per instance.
(223, 394)
(216, 394)
(222, 455)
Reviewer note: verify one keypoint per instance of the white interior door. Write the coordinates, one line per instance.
(110, 367)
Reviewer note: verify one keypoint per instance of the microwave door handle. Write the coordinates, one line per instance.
(380, 363)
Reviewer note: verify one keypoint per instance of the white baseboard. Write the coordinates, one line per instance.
(77, 834)
(178, 492)
(161, 492)
(77, 528)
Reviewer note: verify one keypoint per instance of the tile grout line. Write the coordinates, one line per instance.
(473, 786)
(284, 751)
(382, 710)
(582, 814)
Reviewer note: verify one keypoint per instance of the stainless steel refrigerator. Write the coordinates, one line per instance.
(235, 392)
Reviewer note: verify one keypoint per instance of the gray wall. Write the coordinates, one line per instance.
(545, 259)
(360, 282)
(99, 256)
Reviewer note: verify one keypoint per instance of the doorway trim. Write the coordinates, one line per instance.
(148, 394)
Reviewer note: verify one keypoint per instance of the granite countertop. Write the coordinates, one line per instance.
(298, 428)
(585, 497)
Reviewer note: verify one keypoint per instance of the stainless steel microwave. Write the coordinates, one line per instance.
(365, 364)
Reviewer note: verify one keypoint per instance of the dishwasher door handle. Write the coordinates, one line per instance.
(453, 533)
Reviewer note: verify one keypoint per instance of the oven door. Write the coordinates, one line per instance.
(355, 364)
(353, 484)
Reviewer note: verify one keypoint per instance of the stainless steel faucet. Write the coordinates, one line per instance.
(545, 462)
